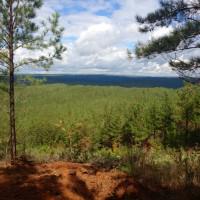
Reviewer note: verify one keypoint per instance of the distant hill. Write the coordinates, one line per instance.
(111, 80)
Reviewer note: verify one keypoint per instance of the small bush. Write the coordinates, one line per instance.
(45, 153)
(161, 166)
(45, 134)
(106, 158)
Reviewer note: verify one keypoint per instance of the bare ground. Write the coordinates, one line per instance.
(71, 181)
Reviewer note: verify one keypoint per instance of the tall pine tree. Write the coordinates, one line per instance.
(19, 30)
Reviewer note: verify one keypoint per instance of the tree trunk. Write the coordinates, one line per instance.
(13, 151)
(12, 119)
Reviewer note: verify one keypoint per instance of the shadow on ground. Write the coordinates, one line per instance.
(21, 183)
(58, 181)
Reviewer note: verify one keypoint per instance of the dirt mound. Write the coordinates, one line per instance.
(71, 181)
(63, 181)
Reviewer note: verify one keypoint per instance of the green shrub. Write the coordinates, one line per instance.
(106, 158)
(45, 153)
(45, 134)
(163, 167)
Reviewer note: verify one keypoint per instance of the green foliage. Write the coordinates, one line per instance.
(19, 30)
(189, 105)
(183, 16)
(106, 158)
(169, 43)
(168, 121)
(44, 134)
(53, 120)
(134, 128)
(3, 82)
(110, 129)
(164, 167)
(154, 119)
(28, 34)
(127, 134)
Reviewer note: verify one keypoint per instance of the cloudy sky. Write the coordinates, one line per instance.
(97, 35)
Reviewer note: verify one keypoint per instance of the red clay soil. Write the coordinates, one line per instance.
(60, 180)
(69, 181)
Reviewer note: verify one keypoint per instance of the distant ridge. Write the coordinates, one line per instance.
(112, 80)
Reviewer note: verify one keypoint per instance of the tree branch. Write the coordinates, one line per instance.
(6, 42)
(30, 61)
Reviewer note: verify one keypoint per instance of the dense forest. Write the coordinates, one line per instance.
(148, 132)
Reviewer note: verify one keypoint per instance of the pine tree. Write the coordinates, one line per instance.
(19, 30)
(110, 129)
(189, 108)
(168, 121)
(128, 135)
(154, 120)
(134, 129)
(184, 17)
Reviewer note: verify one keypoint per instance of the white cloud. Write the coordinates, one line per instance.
(96, 43)
(159, 32)
(97, 38)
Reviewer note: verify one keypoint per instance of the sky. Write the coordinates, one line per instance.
(97, 35)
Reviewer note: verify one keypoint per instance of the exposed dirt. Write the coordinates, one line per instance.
(69, 181)
(60, 180)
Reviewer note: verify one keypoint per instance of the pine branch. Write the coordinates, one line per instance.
(170, 43)
(169, 11)
(4, 40)
(186, 37)
(31, 61)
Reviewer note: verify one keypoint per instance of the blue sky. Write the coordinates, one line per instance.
(97, 35)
